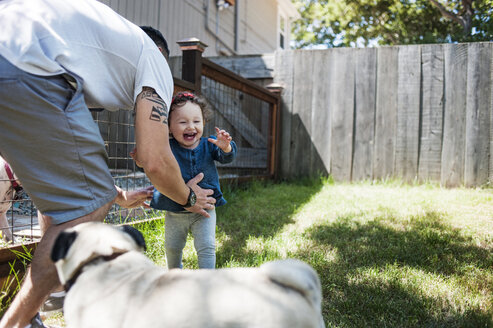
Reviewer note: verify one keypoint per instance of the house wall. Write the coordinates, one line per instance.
(261, 35)
(141, 12)
(177, 20)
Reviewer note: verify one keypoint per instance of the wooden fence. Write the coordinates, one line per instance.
(420, 112)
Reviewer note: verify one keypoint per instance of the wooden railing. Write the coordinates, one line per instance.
(195, 68)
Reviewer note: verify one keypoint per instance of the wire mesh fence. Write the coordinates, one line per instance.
(245, 117)
(18, 214)
(117, 130)
(18, 217)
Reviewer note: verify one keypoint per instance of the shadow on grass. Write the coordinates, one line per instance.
(274, 208)
(424, 244)
(373, 274)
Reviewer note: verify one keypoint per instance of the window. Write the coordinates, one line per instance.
(282, 31)
(223, 4)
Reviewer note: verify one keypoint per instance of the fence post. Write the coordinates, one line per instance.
(191, 66)
(275, 134)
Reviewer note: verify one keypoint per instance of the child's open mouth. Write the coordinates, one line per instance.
(189, 136)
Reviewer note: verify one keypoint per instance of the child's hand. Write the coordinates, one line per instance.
(223, 140)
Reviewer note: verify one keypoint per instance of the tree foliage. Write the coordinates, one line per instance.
(391, 22)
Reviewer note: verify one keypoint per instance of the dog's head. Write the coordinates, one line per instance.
(77, 246)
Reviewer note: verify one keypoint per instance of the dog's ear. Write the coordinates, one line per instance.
(136, 235)
(62, 245)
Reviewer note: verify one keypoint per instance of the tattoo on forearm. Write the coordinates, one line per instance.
(159, 110)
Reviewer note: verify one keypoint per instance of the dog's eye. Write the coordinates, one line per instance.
(136, 235)
(62, 245)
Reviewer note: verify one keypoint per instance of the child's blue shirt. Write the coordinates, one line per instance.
(192, 162)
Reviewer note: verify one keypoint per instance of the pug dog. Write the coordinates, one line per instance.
(110, 283)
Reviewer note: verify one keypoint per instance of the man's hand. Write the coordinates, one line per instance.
(223, 140)
(204, 202)
(134, 198)
(135, 157)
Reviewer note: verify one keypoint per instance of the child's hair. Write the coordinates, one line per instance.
(181, 99)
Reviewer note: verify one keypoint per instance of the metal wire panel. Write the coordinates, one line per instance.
(117, 130)
(21, 218)
(247, 119)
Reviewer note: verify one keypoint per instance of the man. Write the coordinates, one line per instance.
(57, 58)
(134, 198)
(158, 39)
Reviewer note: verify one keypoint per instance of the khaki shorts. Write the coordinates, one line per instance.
(48, 136)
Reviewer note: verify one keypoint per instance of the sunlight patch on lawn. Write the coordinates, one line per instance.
(465, 209)
(288, 244)
(449, 293)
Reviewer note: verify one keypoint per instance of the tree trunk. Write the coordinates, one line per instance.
(464, 18)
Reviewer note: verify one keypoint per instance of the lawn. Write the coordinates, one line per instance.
(388, 254)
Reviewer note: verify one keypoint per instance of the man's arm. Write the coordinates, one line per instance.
(155, 156)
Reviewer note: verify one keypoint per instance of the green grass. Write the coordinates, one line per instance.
(388, 254)
(13, 281)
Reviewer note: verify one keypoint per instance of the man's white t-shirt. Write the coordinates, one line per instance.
(113, 57)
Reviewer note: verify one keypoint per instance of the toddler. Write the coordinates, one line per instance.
(194, 154)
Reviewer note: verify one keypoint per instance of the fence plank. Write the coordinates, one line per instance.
(477, 114)
(321, 112)
(430, 153)
(301, 120)
(408, 111)
(454, 125)
(342, 113)
(317, 106)
(364, 126)
(386, 112)
(491, 119)
(284, 76)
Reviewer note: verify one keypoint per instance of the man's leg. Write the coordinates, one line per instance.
(42, 278)
(44, 222)
(62, 163)
(55, 300)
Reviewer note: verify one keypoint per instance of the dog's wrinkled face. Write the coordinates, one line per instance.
(78, 246)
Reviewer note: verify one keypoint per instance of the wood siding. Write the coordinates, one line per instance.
(422, 112)
(177, 20)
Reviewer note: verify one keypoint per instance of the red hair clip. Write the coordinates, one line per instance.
(181, 95)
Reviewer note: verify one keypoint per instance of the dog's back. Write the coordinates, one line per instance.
(114, 285)
(298, 276)
(281, 294)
